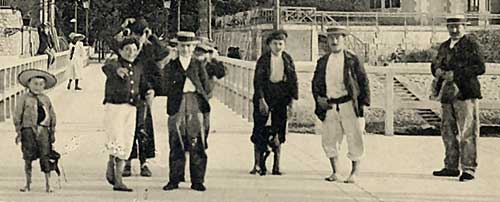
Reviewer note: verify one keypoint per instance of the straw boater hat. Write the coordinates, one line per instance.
(25, 76)
(456, 20)
(336, 30)
(185, 38)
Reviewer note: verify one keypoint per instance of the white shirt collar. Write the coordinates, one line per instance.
(185, 61)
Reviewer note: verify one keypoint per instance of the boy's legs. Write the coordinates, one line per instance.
(110, 171)
(259, 127)
(119, 185)
(44, 147)
(27, 171)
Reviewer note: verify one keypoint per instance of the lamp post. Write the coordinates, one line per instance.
(277, 14)
(86, 6)
(179, 15)
(209, 20)
(166, 5)
(76, 16)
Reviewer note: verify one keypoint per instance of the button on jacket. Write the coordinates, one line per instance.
(128, 89)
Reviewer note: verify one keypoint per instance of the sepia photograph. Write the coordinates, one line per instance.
(249, 100)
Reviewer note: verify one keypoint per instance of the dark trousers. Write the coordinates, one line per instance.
(187, 134)
(144, 140)
(36, 146)
(278, 112)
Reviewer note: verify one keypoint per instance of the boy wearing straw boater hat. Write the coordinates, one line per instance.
(340, 90)
(35, 122)
(275, 84)
(186, 85)
(124, 87)
(458, 64)
(77, 53)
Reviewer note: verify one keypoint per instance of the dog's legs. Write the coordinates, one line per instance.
(276, 163)
(256, 155)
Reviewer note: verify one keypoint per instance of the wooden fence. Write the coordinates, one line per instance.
(235, 90)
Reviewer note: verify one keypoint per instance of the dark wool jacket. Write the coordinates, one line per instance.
(467, 63)
(174, 77)
(45, 43)
(261, 80)
(355, 80)
(126, 90)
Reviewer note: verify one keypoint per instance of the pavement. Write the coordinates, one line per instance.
(395, 168)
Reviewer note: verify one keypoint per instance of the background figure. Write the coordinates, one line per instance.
(340, 89)
(458, 64)
(234, 52)
(275, 85)
(46, 45)
(77, 55)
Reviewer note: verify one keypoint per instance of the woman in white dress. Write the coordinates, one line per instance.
(77, 55)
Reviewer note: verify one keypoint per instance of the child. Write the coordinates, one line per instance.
(125, 83)
(35, 122)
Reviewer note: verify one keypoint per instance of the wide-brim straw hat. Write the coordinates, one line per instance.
(185, 38)
(25, 76)
(336, 30)
(456, 20)
(73, 35)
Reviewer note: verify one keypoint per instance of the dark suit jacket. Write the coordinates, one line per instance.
(45, 43)
(467, 63)
(263, 72)
(174, 77)
(355, 80)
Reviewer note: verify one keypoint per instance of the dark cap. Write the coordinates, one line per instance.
(138, 26)
(277, 35)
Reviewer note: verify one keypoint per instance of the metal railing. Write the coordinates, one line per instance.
(310, 16)
(235, 90)
(11, 90)
(5, 3)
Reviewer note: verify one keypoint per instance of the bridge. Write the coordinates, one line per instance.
(395, 168)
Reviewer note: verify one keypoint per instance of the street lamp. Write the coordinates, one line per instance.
(86, 6)
(74, 21)
(166, 5)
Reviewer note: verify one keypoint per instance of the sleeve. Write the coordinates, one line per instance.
(144, 85)
(315, 85)
(475, 66)
(18, 114)
(166, 80)
(219, 70)
(110, 68)
(204, 80)
(437, 61)
(293, 80)
(258, 80)
(363, 83)
(81, 49)
(52, 114)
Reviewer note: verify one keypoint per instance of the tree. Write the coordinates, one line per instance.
(189, 16)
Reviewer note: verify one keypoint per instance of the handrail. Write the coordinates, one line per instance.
(11, 90)
(236, 88)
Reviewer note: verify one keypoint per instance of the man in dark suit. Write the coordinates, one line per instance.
(340, 90)
(275, 86)
(186, 85)
(458, 64)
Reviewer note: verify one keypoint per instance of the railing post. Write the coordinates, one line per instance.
(389, 102)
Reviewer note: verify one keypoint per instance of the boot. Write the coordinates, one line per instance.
(445, 172)
(256, 162)
(76, 85)
(69, 84)
(127, 172)
(262, 163)
(119, 186)
(198, 187)
(466, 177)
(145, 172)
(110, 171)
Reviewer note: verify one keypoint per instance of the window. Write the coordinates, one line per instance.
(472, 5)
(375, 4)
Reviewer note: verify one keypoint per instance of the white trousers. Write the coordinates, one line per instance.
(119, 124)
(338, 124)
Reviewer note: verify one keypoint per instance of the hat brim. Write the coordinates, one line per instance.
(25, 76)
(176, 41)
(336, 33)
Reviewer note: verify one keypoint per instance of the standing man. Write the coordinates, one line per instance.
(459, 63)
(275, 85)
(340, 90)
(186, 86)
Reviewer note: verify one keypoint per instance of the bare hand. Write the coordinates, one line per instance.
(439, 72)
(448, 75)
(122, 72)
(263, 108)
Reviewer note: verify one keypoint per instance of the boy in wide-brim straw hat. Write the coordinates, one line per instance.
(35, 122)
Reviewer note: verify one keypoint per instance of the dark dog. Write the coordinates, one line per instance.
(267, 142)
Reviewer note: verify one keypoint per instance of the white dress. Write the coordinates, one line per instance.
(76, 63)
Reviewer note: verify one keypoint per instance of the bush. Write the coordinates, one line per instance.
(420, 55)
(490, 41)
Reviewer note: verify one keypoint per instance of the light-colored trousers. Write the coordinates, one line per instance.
(460, 131)
(338, 124)
(119, 125)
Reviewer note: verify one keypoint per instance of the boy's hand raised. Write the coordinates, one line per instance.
(122, 72)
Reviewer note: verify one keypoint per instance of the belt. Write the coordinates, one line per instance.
(338, 101)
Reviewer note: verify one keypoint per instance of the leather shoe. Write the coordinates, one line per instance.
(170, 186)
(127, 171)
(122, 188)
(145, 172)
(445, 172)
(466, 177)
(198, 187)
